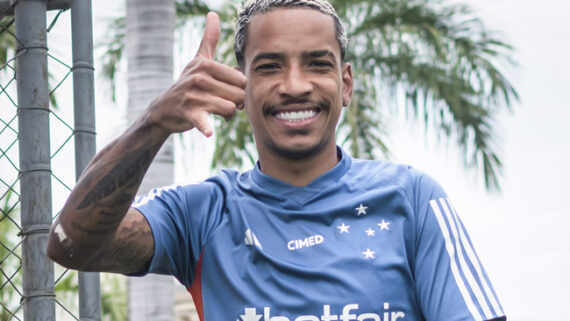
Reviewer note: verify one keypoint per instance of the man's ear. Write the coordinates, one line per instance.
(347, 83)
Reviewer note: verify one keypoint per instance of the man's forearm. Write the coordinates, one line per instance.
(93, 227)
(102, 196)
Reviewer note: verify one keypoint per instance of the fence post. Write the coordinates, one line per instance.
(35, 169)
(84, 115)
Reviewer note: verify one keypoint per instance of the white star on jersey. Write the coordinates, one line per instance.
(384, 225)
(361, 210)
(370, 232)
(343, 228)
(368, 254)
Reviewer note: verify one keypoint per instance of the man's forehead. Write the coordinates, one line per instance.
(304, 30)
(281, 11)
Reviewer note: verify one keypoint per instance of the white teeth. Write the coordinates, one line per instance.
(296, 116)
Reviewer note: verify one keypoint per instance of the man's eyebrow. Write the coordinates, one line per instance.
(319, 54)
(268, 55)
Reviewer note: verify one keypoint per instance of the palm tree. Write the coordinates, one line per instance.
(441, 61)
(150, 33)
(435, 62)
(432, 61)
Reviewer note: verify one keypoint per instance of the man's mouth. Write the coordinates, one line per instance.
(296, 116)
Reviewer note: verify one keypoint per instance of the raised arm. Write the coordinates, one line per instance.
(97, 230)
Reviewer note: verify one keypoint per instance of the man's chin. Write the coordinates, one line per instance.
(298, 152)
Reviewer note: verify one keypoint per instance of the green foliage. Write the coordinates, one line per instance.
(10, 254)
(114, 306)
(435, 62)
(7, 38)
(8, 43)
(113, 297)
(443, 61)
(114, 46)
(113, 294)
(361, 127)
(234, 142)
(66, 290)
(113, 287)
(190, 8)
(235, 146)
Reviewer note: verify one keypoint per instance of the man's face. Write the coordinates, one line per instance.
(297, 84)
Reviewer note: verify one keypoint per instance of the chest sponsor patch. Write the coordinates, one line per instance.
(349, 312)
(306, 242)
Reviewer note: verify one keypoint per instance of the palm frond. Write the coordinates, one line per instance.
(449, 69)
(114, 46)
(447, 66)
(191, 8)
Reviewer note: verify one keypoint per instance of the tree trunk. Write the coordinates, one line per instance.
(150, 33)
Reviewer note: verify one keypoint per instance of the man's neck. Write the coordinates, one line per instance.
(299, 172)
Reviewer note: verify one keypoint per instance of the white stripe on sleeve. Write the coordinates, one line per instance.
(476, 264)
(461, 243)
(142, 200)
(453, 264)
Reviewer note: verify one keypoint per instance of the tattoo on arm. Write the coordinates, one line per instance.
(132, 247)
(106, 235)
(125, 175)
(104, 207)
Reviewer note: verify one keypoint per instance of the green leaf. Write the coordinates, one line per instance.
(431, 60)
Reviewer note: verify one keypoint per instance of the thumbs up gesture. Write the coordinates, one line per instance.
(204, 87)
(210, 38)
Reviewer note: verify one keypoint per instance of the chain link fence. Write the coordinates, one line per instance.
(40, 86)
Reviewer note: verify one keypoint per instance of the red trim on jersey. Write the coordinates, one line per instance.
(196, 289)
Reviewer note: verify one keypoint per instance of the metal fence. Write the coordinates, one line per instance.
(46, 104)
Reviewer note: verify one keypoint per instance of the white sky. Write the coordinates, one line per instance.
(522, 234)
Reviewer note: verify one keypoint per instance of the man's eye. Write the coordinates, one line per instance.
(321, 64)
(267, 67)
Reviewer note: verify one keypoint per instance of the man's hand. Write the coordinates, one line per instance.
(96, 230)
(205, 86)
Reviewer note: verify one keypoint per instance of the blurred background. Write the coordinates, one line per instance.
(521, 231)
(522, 234)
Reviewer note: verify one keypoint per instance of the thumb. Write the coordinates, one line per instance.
(211, 36)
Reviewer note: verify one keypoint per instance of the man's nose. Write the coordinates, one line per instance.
(296, 83)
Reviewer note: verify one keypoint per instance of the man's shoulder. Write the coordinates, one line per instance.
(229, 178)
(381, 173)
(397, 173)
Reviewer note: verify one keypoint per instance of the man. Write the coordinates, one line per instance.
(310, 233)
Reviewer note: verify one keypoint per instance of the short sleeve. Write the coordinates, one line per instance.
(451, 283)
(181, 219)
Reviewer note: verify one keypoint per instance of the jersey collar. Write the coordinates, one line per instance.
(280, 189)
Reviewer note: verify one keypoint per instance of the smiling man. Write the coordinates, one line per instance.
(310, 233)
(296, 89)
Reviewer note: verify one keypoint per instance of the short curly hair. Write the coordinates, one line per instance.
(253, 7)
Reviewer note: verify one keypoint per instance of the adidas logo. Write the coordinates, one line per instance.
(251, 239)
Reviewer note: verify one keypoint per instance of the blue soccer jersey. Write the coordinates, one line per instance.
(368, 240)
